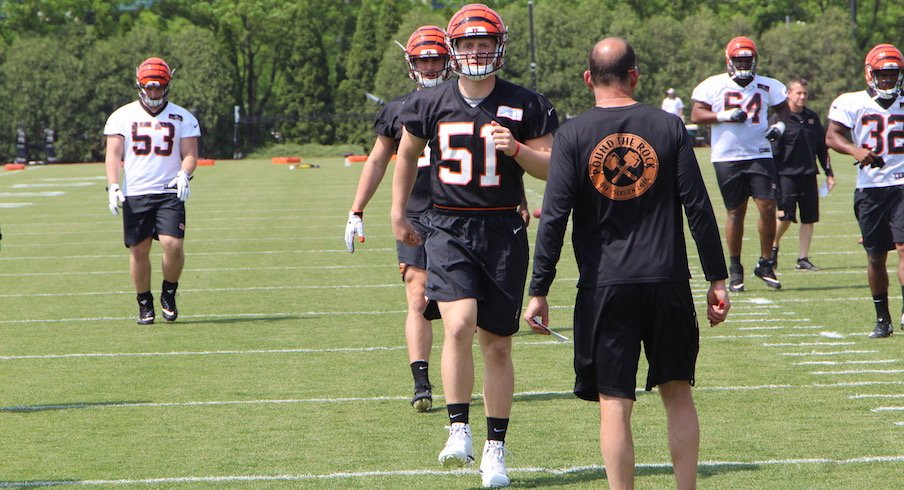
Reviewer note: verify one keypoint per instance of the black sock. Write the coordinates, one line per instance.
(419, 371)
(774, 255)
(880, 301)
(735, 260)
(496, 429)
(145, 298)
(458, 412)
(169, 288)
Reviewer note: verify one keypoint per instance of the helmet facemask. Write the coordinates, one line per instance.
(479, 65)
(742, 67)
(427, 42)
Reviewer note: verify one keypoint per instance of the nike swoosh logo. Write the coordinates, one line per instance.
(516, 230)
(498, 430)
(454, 415)
(422, 368)
(549, 112)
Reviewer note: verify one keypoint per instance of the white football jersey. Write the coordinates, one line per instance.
(745, 140)
(876, 128)
(151, 149)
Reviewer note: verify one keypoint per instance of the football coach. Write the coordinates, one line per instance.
(627, 171)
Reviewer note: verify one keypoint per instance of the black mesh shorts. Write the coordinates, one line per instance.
(799, 191)
(612, 322)
(151, 216)
(880, 213)
(484, 257)
(746, 178)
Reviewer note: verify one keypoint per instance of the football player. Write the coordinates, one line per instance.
(869, 126)
(428, 65)
(156, 144)
(736, 104)
(484, 133)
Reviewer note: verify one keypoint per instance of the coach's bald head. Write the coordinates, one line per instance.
(612, 62)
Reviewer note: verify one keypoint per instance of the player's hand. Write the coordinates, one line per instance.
(775, 131)
(115, 198)
(830, 182)
(525, 214)
(717, 303)
(503, 139)
(354, 226)
(868, 158)
(180, 183)
(731, 115)
(538, 309)
(404, 232)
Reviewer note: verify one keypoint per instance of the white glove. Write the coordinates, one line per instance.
(731, 115)
(354, 226)
(115, 198)
(775, 131)
(180, 183)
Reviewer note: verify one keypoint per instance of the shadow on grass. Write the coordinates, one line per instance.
(38, 483)
(65, 406)
(596, 474)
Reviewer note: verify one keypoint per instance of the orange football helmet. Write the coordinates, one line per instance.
(153, 72)
(884, 58)
(427, 42)
(740, 58)
(476, 20)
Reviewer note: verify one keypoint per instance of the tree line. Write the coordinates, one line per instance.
(301, 71)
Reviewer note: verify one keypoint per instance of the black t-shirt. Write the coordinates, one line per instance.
(467, 172)
(803, 141)
(387, 124)
(626, 173)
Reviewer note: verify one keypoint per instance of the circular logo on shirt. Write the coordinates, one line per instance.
(623, 166)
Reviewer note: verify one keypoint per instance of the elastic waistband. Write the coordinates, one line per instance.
(474, 211)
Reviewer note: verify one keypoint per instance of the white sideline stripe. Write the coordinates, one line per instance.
(839, 363)
(12, 205)
(857, 397)
(286, 401)
(230, 315)
(220, 290)
(794, 327)
(857, 383)
(888, 409)
(771, 336)
(345, 475)
(804, 344)
(768, 320)
(213, 269)
(835, 353)
(236, 352)
(197, 254)
(861, 371)
(899, 423)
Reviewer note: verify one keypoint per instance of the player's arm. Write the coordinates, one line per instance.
(532, 154)
(371, 176)
(113, 157)
(702, 113)
(837, 139)
(373, 171)
(189, 150)
(410, 148)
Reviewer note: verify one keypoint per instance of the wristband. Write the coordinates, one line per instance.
(517, 150)
(359, 214)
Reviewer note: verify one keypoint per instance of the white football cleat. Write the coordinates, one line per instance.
(459, 450)
(492, 465)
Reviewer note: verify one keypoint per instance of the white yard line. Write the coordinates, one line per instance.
(349, 475)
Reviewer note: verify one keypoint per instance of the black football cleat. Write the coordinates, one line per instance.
(146, 312)
(882, 330)
(764, 270)
(168, 305)
(804, 264)
(736, 278)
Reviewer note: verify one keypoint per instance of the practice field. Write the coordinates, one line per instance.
(287, 366)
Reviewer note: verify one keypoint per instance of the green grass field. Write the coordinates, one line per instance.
(287, 366)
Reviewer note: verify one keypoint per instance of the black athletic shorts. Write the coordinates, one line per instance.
(152, 215)
(482, 256)
(799, 191)
(880, 213)
(743, 179)
(611, 323)
(412, 256)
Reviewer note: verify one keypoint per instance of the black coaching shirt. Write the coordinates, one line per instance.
(627, 173)
(468, 173)
(803, 141)
(387, 124)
